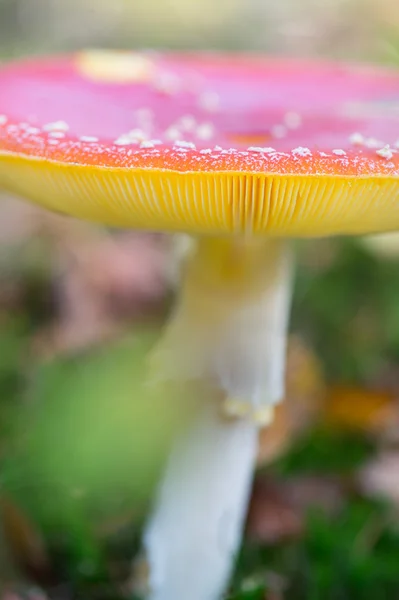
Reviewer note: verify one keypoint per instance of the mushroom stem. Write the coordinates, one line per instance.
(230, 324)
(195, 531)
(229, 333)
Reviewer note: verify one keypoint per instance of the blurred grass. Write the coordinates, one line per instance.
(330, 562)
(350, 311)
(332, 28)
(84, 441)
(351, 555)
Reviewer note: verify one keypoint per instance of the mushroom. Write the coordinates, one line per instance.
(242, 154)
(383, 245)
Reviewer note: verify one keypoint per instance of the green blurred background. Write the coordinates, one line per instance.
(346, 28)
(83, 438)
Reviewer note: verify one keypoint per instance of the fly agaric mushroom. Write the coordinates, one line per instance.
(241, 153)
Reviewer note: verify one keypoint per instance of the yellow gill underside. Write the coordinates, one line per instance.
(208, 202)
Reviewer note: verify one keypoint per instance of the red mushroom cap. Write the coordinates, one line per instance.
(204, 143)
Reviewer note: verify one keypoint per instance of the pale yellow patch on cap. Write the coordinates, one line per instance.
(114, 66)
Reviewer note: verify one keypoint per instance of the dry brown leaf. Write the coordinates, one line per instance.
(305, 392)
(24, 542)
(361, 409)
(278, 507)
(16, 593)
(272, 517)
(18, 221)
(101, 279)
(104, 283)
(277, 437)
(314, 491)
(140, 578)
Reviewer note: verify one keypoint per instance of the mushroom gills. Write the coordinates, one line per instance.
(194, 534)
(229, 326)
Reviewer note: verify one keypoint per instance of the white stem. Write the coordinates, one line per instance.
(229, 332)
(195, 532)
(230, 324)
